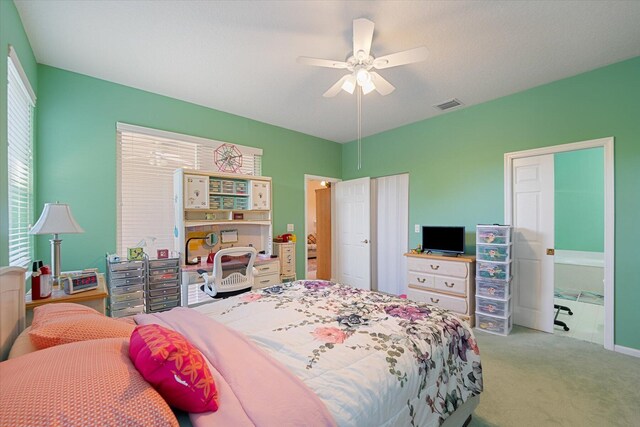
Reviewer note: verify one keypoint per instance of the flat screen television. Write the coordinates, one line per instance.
(448, 240)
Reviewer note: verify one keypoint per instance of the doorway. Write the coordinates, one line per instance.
(318, 227)
(540, 273)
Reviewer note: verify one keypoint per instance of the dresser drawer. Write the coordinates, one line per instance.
(422, 280)
(459, 305)
(266, 280)
(433, 266)
(268, 268)
(451, 284)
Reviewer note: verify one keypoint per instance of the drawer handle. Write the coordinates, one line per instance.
(435, 301)
(435, 267)
(421, 280)
(449, 285)
(264, 281)
(263, 268)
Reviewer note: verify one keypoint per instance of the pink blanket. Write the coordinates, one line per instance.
(254, 389)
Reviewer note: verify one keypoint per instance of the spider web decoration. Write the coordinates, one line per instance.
(228, 158)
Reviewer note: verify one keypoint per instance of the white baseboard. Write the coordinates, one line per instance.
(626, 350)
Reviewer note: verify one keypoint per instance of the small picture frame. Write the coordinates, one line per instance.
(135, 254)
(163, 253)
(228, 236)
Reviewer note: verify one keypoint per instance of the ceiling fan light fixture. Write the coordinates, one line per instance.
(349, 84)
(362, 76)
(368, 87)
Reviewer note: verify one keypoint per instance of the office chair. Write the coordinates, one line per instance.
(230, 280)
(558, 308)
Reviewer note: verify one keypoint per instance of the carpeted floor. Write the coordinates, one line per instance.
(537, 379)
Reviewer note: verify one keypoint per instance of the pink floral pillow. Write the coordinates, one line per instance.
(174, 367)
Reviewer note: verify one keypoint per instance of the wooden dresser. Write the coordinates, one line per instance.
(448, 282)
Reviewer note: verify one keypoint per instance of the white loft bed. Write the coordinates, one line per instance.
(12, 323)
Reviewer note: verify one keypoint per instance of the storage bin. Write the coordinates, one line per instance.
(215, 185)
(129, 265)
(124, 274)
(163, 298)
(162, 285)
(163, 263)
(161, 271)
(118, 290)
(129, 311)
(494, 325)
(163, 278)
(493, 270)
(161, 292)
(241, 203)
(126, 304)
(228, 187)
(493, 307)
(242, 187)
(127, 297)
(501, 253)
(500, 289)
(126, 282)
(215, 202)
(163, 306)
(228, 203)
(494, 234)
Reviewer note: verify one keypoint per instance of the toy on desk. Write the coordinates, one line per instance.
(284, 238)
(135, 254)
(40, 281)
(417, 250)
(163, 253)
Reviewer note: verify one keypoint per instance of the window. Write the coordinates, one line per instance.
(20, 104)
(147, 159)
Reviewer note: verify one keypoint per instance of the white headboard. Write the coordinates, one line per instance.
(12, 311)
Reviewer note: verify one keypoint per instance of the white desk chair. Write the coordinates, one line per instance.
(235, 281)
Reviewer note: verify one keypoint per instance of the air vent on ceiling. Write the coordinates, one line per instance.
(447, 105)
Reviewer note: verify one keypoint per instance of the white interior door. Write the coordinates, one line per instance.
(533, 222)
(353, 228)
(391, 241)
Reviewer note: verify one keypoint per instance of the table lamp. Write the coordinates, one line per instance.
(56, 218)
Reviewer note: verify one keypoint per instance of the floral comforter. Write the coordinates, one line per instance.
(373, 359)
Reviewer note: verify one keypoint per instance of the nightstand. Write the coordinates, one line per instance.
(94, 299)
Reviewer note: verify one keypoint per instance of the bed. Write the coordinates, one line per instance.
(363, 358)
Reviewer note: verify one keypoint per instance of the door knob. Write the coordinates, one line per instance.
(365, 241)
(551, 251)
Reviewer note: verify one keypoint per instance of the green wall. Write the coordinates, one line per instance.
(579, 200)
(455, 161)
(11, 33)
(77, 118)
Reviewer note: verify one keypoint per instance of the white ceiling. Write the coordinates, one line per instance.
(240, 56)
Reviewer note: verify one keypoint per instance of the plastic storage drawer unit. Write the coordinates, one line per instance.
(493, 234)
(126, 281)
(493, 270)
(493, 307)
(493, 324)
(163, 292)
(500, 253)
(500, 289)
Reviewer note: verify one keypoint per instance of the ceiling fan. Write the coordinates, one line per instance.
(361, 63)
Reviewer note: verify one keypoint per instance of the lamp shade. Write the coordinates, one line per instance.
(56, 218)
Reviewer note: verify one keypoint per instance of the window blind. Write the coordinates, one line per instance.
(20, 105)
(147, 159)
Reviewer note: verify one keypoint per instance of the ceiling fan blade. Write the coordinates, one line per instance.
(401, 58)
(362, 36)
(336, 88)
(382, 85)
(321, 62)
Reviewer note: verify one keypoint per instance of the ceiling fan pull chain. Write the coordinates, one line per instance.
(359, 97)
